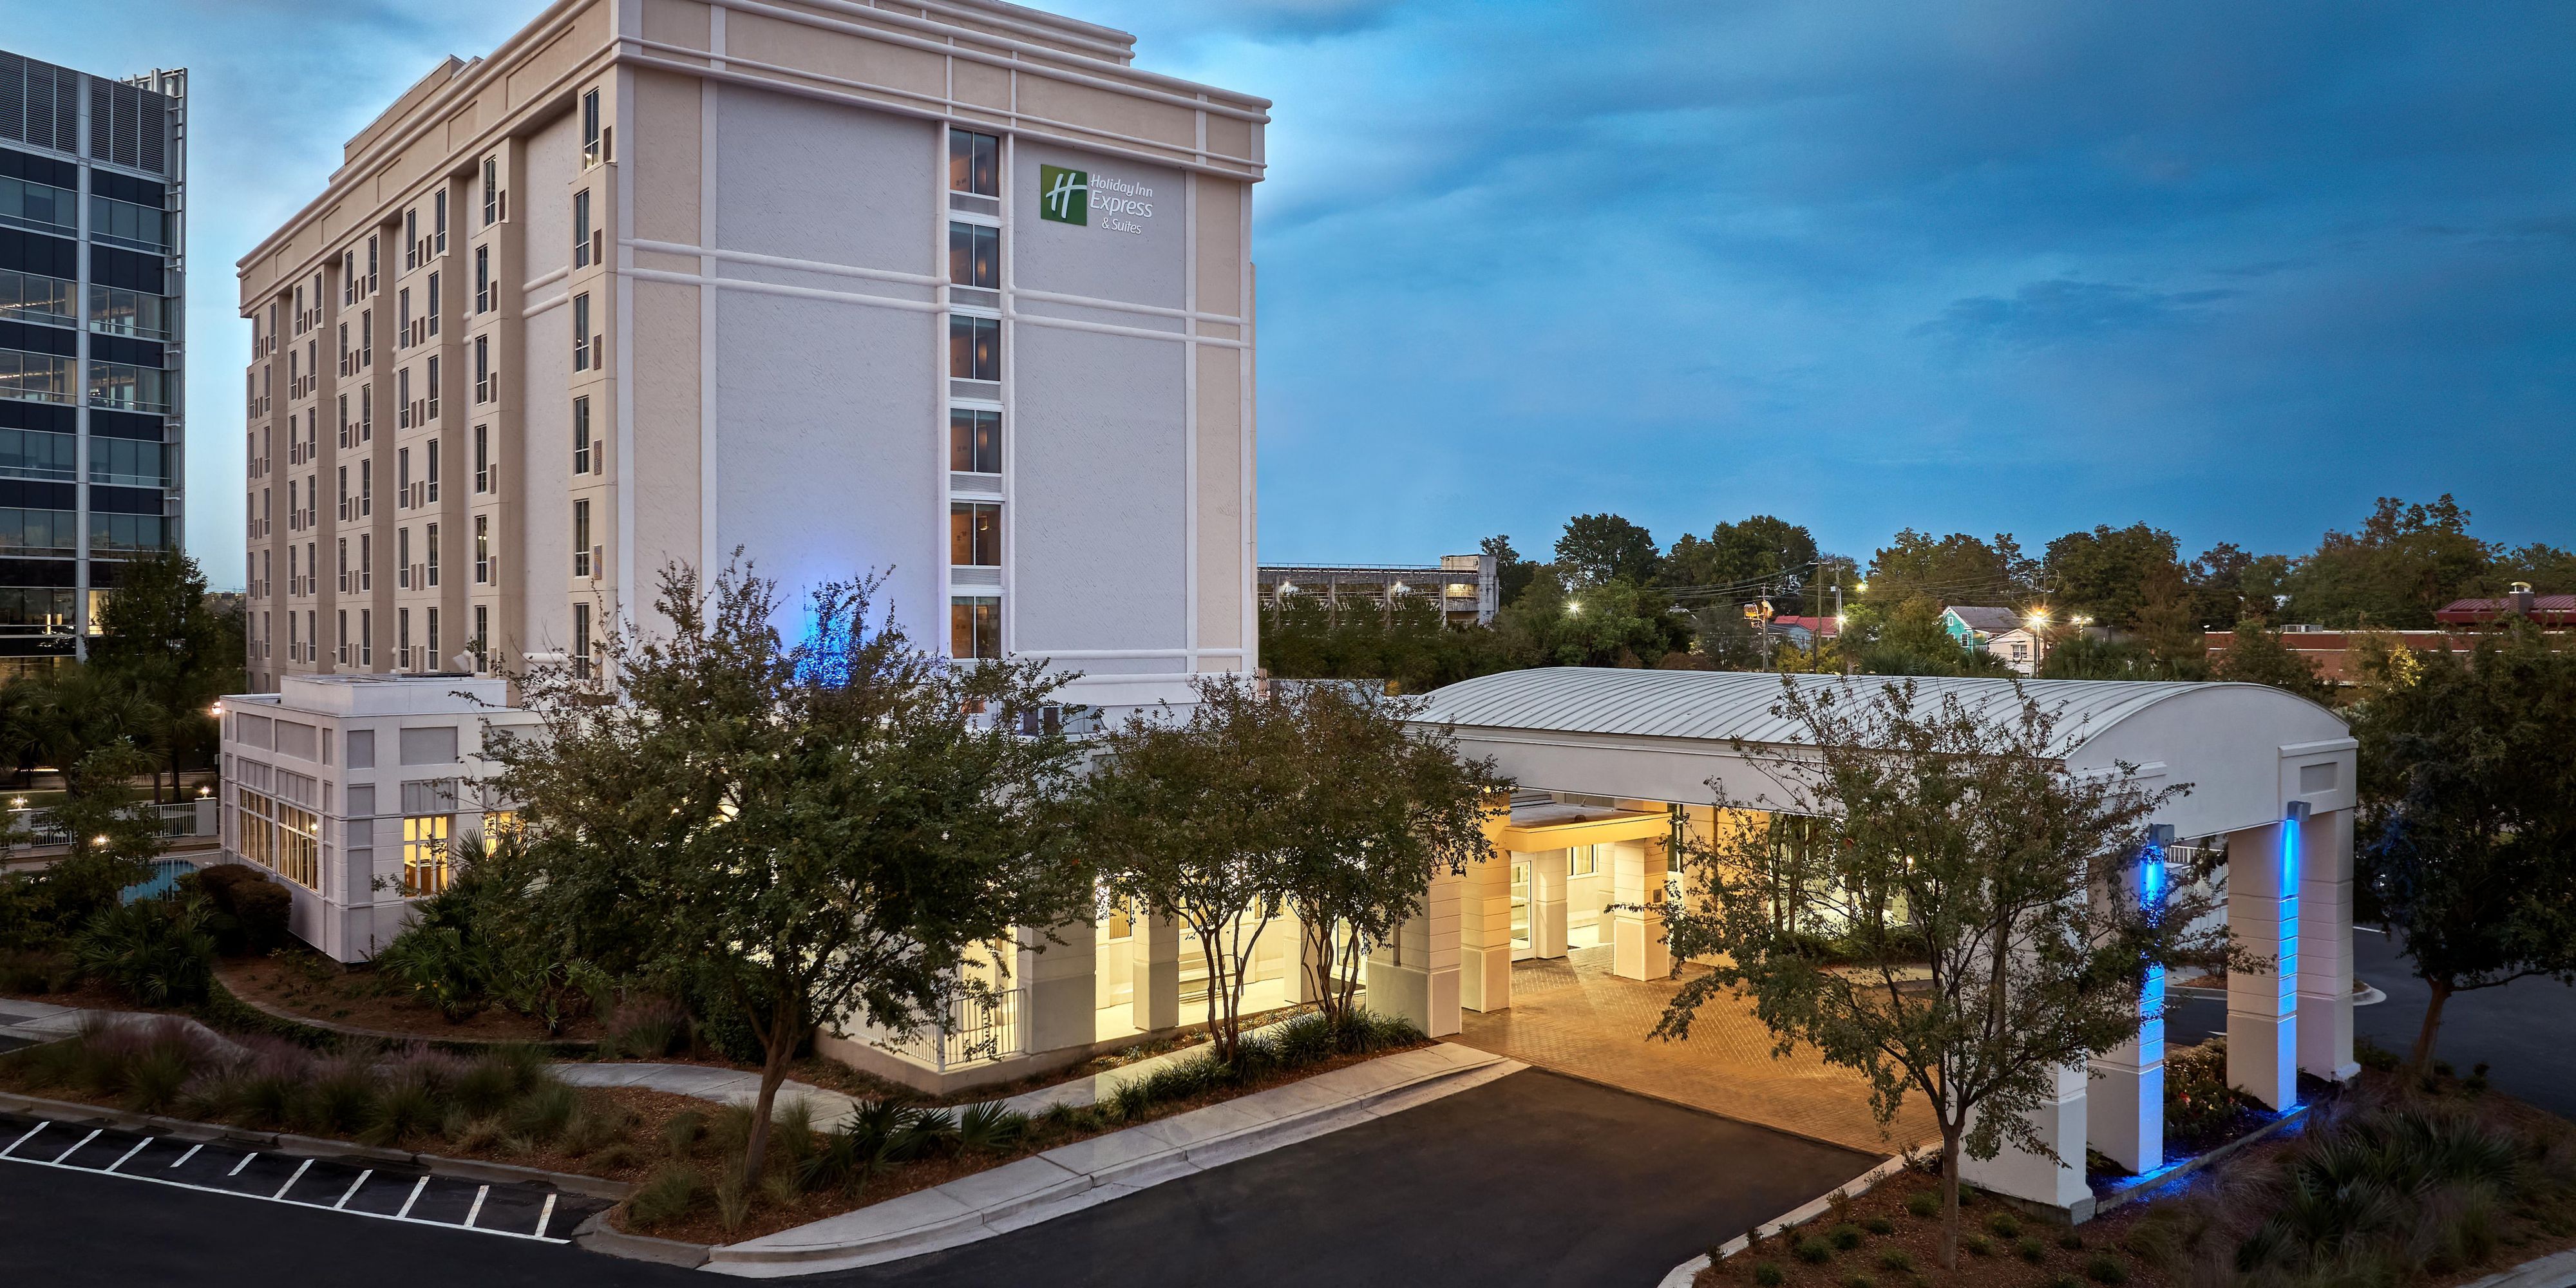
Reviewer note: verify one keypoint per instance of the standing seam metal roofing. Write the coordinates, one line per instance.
(1726, 705)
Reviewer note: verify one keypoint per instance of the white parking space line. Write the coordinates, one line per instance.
(31, 1134)
(93, 1135)
(546, 1215)
(192, 1153)
(404, 1216)
(300, 1169)
(353, 1189)
(138, 1148)
(477, 1209)
(417, 1187)
(242, 1164)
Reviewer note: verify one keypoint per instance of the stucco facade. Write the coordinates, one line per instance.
(713, 275)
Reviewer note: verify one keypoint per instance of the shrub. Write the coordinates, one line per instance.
(343, 1098)
(990, 1127)
(1858, 1280)
(645, 1028)
(1844, 1237)
(1813, 1251)
(2370, 1055)
(2004, 1225)
(485, 1087)
(407, 1107)
(666, 1196)
(680, 1133)
(1924, 1203)
(251, 912)
(2106, 1269)
(2030, 1250)
(1879, 1225)
(1770, 1275)
(1979, 1245)
(1896, 1259)
(2071, 1241)
(155, 951)
(442, 965)
(542, 1114)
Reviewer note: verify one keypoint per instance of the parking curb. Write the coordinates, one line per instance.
(597, 1235)
(467, 1169)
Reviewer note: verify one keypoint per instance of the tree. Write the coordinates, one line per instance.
(1762, 554)
(1987, 891)
(2468, 782)
(2104, 574)
(1599, 548)
(827, 830)
(2169, 625)
(1909, 640)
(1190, 817)
(1954, 569)
(1614, 624)
(1511, 572)
(162, 639)
(1389, 807)
(2258, 656)
(2406, 561)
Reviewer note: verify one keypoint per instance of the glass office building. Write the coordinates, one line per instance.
(92, 260)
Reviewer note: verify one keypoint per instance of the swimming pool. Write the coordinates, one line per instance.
(165, 875)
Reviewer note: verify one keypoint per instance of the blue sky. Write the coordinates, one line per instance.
(2231, 269)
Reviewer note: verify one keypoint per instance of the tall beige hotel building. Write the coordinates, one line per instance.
(949, 288)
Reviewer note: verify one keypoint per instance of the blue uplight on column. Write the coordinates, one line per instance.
(2291, 820)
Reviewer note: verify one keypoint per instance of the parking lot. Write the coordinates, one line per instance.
(514, 1210)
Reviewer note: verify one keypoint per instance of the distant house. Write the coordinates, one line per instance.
(2546, 610)
(1801, 632)
(1999, 631)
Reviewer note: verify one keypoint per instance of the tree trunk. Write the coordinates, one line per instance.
(1315, 947)
(1949, 1197)
(777, 1045)
(2421, 1058)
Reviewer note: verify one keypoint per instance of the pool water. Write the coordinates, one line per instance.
(165, 875)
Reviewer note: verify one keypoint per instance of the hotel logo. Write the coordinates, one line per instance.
(1064, 195)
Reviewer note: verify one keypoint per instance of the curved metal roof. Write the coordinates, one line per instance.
(1727, 705)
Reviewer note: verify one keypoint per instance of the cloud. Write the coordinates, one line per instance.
(2060, 310)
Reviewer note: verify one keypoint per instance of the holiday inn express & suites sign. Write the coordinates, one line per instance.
(1068, 196)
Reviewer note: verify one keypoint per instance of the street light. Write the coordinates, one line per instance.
(1573, 606)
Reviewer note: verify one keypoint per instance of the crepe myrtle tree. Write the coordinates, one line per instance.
(1392, 806)
(827, 828)
(1987, 894)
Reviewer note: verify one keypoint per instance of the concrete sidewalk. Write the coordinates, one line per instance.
(1087, 1173)
(719, 1086)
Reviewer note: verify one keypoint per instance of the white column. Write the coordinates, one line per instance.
(2263, 916)
(1062, 990)
(1416, 977)
(1485, 934)
(2124, 1104)
(2325, 946)
(1637, 937)
(1154, 955)
(1547, 903)
(2058, 1181)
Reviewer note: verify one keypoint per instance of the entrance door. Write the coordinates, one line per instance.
(1522, 946)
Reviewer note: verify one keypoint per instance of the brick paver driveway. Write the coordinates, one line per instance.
(1573, 1016)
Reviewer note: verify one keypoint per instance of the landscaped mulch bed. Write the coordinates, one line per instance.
(305, 983)
(2033, 1255)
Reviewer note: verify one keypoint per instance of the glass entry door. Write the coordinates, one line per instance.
(1522, 948)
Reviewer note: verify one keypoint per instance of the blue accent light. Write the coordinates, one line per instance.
(825, 654)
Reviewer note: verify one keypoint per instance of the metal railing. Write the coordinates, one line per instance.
(975, 1031)
(197, 818)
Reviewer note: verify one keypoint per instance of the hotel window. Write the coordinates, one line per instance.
(482, 279)
(482, 555)
(975, 255)
(581, 435)
(431, 377)
(581, 539)
(581, 641)
(366, 628)
(343, 647)
(402, 478)
(371, 263)
(1583, 861)
(402, 639)
(974, 348)
(975, 534)
(402, 318)
(429, 539)
(402, 399)
(491, 190)
(482, 368)
(117, 312)
(432, 480)
(344, 367)
(366, 337)
(974, 441)
(411, 239)
(366, 488)
(429, 649)
(366, 563)
(349, 277)
(402, 571)
(975, 627)
(581, 332)
(481, 643)
(439, 221)
(366, 413)
(974, 163)
(594, 140)
(581, 229)
(432, 320)
(343, 583)
(482, 458)
(28, 297)
(425, 870)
